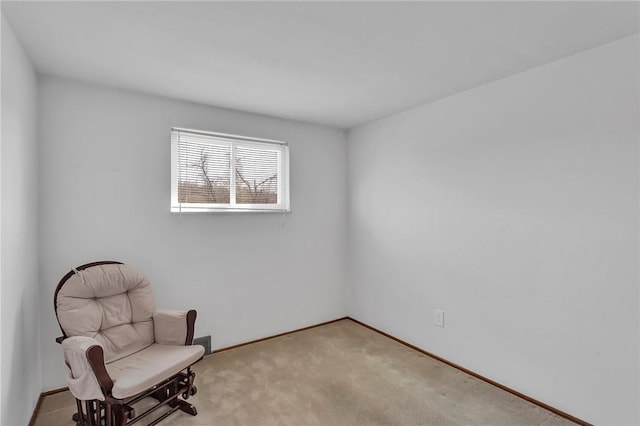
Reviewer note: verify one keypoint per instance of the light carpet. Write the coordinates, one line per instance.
(337, 374)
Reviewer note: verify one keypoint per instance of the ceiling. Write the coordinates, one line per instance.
(335, 63)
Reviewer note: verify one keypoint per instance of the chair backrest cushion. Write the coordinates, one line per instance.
(113, 303)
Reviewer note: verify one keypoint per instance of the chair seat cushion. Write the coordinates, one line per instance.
(143, 369)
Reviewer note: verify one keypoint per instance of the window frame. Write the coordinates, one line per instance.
(233, 141)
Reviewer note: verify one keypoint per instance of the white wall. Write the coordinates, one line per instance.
(105, 194)
(21, 378)
(514, 208)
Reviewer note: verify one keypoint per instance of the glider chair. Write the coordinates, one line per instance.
(119, 349)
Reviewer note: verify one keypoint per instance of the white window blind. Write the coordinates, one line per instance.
(215, 172)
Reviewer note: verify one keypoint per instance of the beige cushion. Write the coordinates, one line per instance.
(111, 303)
(170, 327)
(80, 377)
(148, 367)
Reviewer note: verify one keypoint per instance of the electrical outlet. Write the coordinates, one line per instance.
(438, 317)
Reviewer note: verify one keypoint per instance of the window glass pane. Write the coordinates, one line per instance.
(203, 172)
(216, 172)
(257, 175)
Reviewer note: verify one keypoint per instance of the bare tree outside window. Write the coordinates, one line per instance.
(210, 188)
(256, 176)
(216, 172)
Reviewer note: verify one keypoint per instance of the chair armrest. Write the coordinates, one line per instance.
(95, 355)
(86, 373)
(174, 327)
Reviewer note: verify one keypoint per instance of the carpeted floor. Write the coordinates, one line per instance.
(337, 374)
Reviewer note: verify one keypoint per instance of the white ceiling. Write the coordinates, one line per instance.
(334, 63)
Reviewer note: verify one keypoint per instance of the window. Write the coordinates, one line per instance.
(215, 172)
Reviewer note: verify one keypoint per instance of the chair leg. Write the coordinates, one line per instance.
(119, 416)
(185, 406)
(108, 414)
(92, 416)
(97, 414)
(91, 413)
(190, 388)
(79, 416)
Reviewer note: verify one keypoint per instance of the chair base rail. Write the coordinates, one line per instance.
(120, 412)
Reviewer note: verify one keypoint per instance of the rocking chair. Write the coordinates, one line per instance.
(119, 349)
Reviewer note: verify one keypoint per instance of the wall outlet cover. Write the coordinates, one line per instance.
(438, 317)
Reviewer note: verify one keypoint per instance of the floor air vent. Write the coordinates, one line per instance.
(204, 341)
